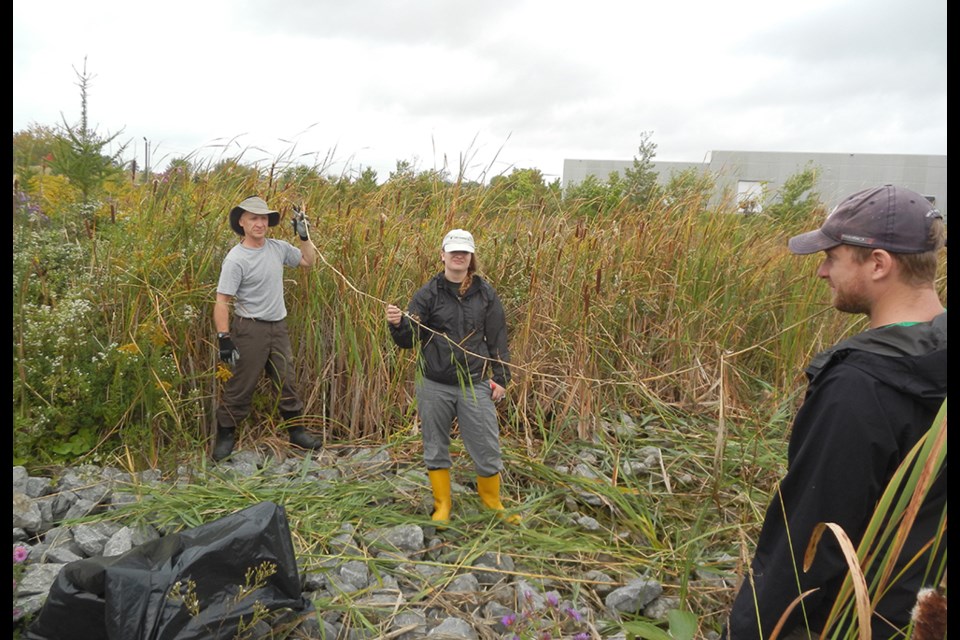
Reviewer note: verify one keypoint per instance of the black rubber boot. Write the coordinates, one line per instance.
(300, 437)
(224, 444)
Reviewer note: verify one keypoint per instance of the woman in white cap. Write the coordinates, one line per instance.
(457, 322)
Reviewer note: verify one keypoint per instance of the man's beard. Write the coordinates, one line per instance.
(851, 300)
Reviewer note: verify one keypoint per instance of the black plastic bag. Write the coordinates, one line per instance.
(233, 563)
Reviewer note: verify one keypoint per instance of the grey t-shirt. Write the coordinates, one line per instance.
(254, 278)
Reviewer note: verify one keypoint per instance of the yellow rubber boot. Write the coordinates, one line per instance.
(489, 490)
(442, 500)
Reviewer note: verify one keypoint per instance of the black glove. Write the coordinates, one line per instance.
(228, 351)
(299, 223)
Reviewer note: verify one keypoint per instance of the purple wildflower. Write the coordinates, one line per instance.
(582, 636)
(508, 620)
(573, 613)
(20, 554)
(552, 600)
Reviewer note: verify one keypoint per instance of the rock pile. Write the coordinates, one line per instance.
(474, 602)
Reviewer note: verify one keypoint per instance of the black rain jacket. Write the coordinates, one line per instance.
(457, 328)
(869, 400)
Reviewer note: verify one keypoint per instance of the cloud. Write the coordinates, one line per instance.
(493, 85)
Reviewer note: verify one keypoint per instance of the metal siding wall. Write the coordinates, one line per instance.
(840, 173)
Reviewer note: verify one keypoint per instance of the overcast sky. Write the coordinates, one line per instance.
(489, 85)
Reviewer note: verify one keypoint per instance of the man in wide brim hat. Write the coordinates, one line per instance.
(250, 316)
(256, 205)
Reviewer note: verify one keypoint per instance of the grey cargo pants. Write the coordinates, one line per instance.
(472, 406)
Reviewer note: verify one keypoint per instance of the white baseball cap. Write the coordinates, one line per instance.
(459, 240)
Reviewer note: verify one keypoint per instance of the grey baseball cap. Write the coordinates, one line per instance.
(253, 204)
(888, 217)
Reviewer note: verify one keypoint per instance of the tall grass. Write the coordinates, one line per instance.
(682, 308)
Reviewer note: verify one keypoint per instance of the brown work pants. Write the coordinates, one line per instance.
(264, 348)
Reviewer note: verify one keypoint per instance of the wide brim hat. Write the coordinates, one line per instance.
(256, 205)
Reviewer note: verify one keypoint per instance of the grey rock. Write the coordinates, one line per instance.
(490, 567)
(81, 508)
(94, 535)
(79, 477)
(38, 578)
(20, 479)
(529, 598)
(635, 468)
(143, 533)
(98, 493)
(414, 622)
(404, 538)
(150, 476)
(660, 607)
(379, 606)
(336, 584)
(63, 500)
(46, 504)
(427, 570)
(355, 572)
(26, 513)
(650, 455)
(465, 583)
(453, 629)
(366, 463)
(634, 596)
(241, 465)
(602, 583)
(314, 581)
(123, 497)
(384, 581)
(38, 486)
(119, 543)
(585, 471)
(503, 594)
(60, 555)
(62, 537)
(29, 606)
(329, 630)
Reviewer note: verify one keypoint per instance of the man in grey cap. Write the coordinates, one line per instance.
(256, 341)
(869, 400)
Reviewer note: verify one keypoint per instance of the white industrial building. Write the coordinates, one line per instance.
(758, 175)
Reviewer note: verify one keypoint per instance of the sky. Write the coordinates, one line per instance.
(482, 88)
